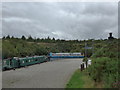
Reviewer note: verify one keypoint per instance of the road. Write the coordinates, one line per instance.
(53, 74)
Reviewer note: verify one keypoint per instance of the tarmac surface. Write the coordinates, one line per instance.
(53, 74)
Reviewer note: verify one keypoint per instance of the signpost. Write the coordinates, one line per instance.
(87, 47)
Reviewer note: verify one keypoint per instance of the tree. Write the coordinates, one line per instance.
(58, 40)
(3, 37)
(12, 37)
(38, 39)
(53, 39)
(23, 38)
(30, 38)
(8, 37)
(48, 38)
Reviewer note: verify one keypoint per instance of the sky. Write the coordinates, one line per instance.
(63, 20)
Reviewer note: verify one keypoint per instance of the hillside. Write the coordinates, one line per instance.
(21, 47)
(104, 71)
(105, 65)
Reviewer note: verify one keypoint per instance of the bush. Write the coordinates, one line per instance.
(104, 70)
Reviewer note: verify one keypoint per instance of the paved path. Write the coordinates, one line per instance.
(54, 74)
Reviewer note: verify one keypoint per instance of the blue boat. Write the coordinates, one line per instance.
(66, 55)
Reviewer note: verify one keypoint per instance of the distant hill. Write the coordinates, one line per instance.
(21, 47)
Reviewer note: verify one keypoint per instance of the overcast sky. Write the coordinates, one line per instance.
(70, 20)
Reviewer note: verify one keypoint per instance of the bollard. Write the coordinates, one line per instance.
(81, 67)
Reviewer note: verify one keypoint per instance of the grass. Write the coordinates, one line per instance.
(76, 80)
(82, 80)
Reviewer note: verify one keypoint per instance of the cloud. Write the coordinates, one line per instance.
(64, 20)
(15, 19)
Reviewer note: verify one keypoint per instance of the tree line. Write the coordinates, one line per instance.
(21, 47)
(48, 39)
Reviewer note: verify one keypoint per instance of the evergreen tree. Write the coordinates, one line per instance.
(8, 37)
(30, 38)
(48, 38)
(23, 38)
(3, 37)
(12, 37)
(53, 39)
(38, 39)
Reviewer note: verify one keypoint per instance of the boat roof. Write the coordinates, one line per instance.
(31, 57)
(66, 53)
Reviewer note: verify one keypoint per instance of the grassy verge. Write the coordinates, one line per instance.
(81, 80)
